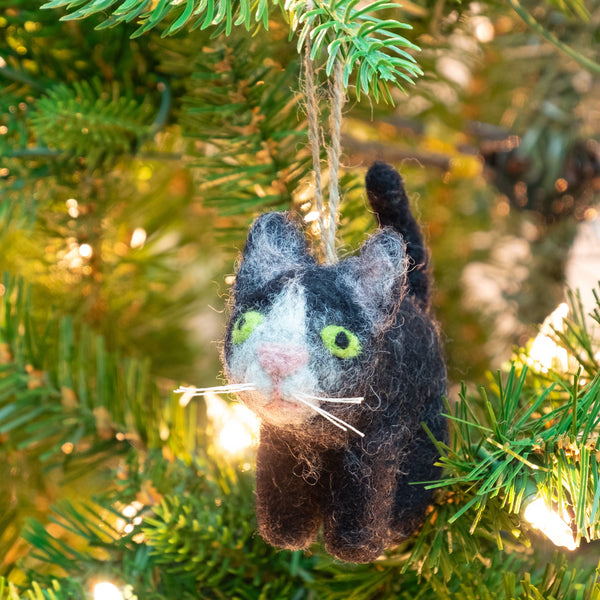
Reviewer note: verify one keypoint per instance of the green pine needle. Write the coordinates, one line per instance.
(89, 121)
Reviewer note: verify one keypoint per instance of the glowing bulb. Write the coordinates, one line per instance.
(73, 208)
(129, 511)
(85, 251)
(550, 524)
(545, 353)
(107, 591)
(235, 437)
(138, 238)
(483, 29)
(238, 427)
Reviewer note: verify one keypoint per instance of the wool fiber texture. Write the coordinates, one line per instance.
(303, 335)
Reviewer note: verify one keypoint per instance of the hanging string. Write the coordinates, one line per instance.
(314, 136)
(327, 220)
(333, 154)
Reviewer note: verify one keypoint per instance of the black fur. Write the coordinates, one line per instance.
(310, 474)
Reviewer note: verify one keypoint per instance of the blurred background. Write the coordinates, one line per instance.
(119, 203)
(130, 169)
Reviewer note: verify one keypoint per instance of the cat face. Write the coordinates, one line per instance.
(301, 334)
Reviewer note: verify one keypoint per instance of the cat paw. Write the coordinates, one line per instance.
(287, 538)
(355, 553)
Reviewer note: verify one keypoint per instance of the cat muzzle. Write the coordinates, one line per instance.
(281, 360)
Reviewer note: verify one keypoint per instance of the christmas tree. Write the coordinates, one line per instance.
(138, 142)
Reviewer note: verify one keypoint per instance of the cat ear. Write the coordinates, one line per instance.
(380, 273)
(275, 245)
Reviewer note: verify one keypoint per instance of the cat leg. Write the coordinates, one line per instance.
(412, 499)
(288, 508)
(360, 497)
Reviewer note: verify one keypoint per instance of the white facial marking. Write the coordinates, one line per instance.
(274, 358)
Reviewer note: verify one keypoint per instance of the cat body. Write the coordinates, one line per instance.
(355, 339)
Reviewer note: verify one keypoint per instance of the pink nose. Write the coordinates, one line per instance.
(281, 360)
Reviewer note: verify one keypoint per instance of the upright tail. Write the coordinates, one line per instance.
(387, 196)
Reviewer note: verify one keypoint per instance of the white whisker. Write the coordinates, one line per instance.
(323, 413)
(335, 420)
(217, 389)
(191, 392)
(354, 400)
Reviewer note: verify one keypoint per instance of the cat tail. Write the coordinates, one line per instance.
(389, 201)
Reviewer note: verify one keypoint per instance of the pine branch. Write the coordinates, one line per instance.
(188, 531)
(584, 61)
(342, 31)
(85, 120)
(193, 14)
(53, 591)
(66, 399)
(238, 105)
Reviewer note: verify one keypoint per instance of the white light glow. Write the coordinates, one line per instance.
(107, 591)
(85, 251)
(138, 238)
(235, 437)
(237, 426)
(550, 524)
(483, 29)
(545, 353)
(73, 208)
(131, 510)
(185, 398)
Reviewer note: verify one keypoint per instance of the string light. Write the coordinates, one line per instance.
(73, 208)
(235, 437)
(550, 523)
(85, 251)
(236, 425)
(545, 353)
(130, 512)
(107, 591)
(138, 238)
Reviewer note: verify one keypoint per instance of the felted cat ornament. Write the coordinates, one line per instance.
(342, 363)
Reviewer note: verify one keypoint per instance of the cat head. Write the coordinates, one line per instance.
(301, 333)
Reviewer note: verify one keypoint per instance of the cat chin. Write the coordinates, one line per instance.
(275, 409)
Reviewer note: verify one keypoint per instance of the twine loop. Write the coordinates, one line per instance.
(327, 219)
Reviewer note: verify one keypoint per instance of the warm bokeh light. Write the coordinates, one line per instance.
(138, 238)
(107, 591)
(311, 216)
(85, 251)
(483, 29)
(545, 353)
(550, 524)
(73, 208)
(236, 426)
(235, 437)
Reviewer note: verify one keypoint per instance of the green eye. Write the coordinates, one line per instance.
(245, 325)
(340, 342)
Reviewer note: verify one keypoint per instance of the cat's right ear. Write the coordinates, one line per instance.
(275, 245)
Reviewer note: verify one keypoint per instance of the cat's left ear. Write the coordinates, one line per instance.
(275, 245)
(379, 273)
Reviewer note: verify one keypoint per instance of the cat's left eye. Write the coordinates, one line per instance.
(341, 342)
(247, 322)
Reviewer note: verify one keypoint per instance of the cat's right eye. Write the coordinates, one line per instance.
(246, 323)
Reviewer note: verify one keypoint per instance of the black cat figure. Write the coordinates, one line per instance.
(343, 364)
